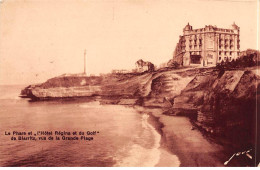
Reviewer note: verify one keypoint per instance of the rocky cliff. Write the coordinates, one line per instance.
(221, 102)
(63, 87)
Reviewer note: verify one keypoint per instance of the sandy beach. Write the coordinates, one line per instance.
(191, 147)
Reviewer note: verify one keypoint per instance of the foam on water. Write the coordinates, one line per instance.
(139, 156)
(95, 104)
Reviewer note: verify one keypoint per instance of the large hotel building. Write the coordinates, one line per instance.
(207, 46)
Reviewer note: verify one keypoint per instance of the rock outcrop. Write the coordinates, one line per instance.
(64, 87)
(222, 102)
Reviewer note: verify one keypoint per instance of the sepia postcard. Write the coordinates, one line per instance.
(129, 83)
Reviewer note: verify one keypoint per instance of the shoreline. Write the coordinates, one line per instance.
(190, 146)
(193, 147)
(167, 158)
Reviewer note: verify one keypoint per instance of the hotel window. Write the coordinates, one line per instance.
(219, 53)
(230, 53)
(219, 58)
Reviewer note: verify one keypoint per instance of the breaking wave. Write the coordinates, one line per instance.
(140, 156)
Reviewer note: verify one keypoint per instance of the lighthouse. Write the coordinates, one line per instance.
(85, 62)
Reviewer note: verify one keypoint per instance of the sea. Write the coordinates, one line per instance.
(116, 135)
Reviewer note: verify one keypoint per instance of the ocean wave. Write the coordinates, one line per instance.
(95, 104)
(138, 156)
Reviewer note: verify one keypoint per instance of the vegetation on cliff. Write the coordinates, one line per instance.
(248, 58)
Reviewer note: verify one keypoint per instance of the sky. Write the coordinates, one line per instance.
(40, 39)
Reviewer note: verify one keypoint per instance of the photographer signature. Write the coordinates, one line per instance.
(238, 154)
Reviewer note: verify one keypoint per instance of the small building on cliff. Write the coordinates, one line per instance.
(142, 66)
(207, 46)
